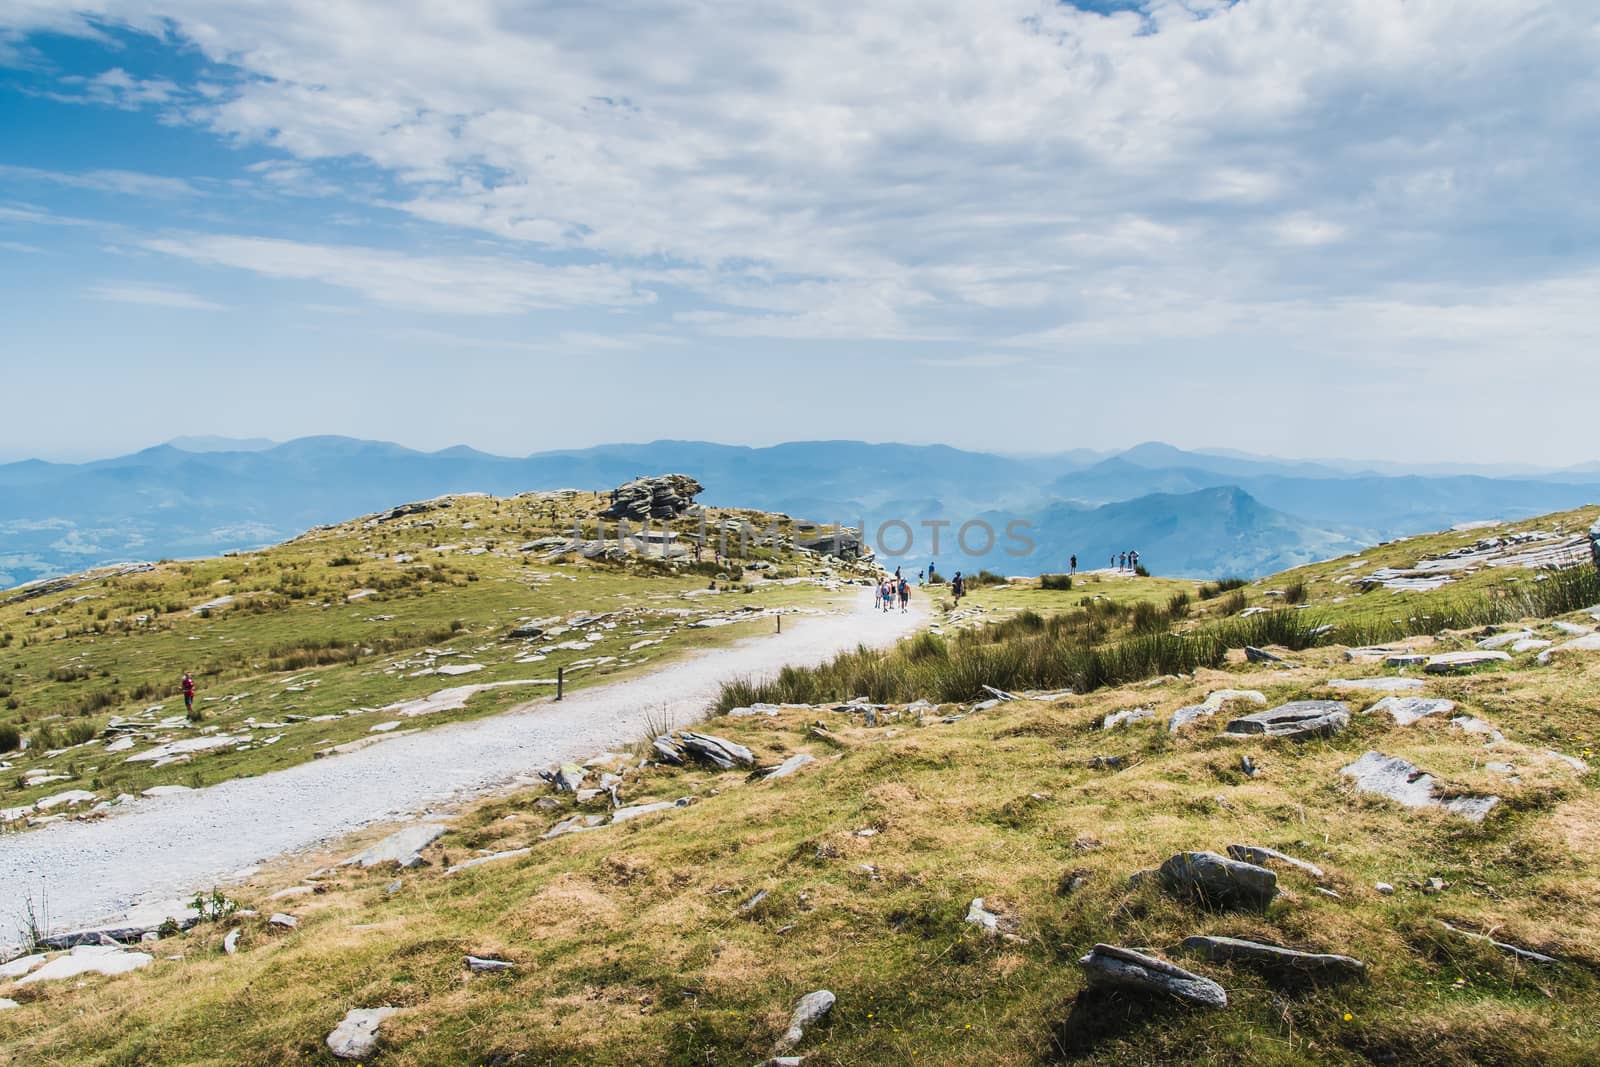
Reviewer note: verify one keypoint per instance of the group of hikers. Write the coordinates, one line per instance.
(1126, 561)
(891, 590)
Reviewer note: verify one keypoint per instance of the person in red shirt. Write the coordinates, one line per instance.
(188, 692)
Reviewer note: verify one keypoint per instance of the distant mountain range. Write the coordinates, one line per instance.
(1191, 513)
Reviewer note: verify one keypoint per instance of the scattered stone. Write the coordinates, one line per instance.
(1248, 766)
(1261, 655)
(6, 1004)
(1273, 957)
(980, 916)
(165, 791)
(1406, 659)
(283, 921)
(1219, 882)
(1474, 725)
(482, 965)
(1381, 685)
(789, 766)
(1000, 694)
(1117, 718)
(812, 1009)
(356, 1037)
(1260, 856)
(1110, 967)
(403, 847)
(18, 967)
(1211, 705)
(716, 750)
(393, 887)
(1385, 889)
(1532, 644)
(754, 902)
(1589, 643)
(1407, 710)
(1504, 640)
(1454, 662)
(1392, 777)
(569, 777)
(230, 944)
(1297, 720)
(1523, 954)
(1572, 629)
(89, 959)
(476, 861)
(665, 751)
(624, 814)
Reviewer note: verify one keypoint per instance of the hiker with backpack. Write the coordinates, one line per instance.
(958, 587)
(188, 693)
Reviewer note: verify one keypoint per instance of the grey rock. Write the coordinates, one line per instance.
(789, 766)
(1405, 659)
(812, 1009)
(625, 814)
(1453, 662)
(1110, 967)
(1384, 889)
(356, 1037)
(1392, 777)
(1218, 881)
(230, 944)
(283, 921)
(1117, 718)
(716, 750)
(1297, 720)
(1473, 725)
(1407, 710)
(1506, 640)
(663, 497)
(1588, 643)
(568, 778)
(402, 847)
(488, 966)
(1261, 655)
(665, 751)
(980, 916)
(1272, 957)
(393, 887)
(1261, 856)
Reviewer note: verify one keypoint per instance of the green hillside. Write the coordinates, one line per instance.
(943, 861)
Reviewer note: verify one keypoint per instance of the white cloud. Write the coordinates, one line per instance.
(129, 183)
(459, 285)
(983, 360)
(911, 169)
(152, 296)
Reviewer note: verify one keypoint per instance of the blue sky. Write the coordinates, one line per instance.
(1365, 229)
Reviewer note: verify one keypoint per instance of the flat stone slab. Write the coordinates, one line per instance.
(1122, 969)
(401, 847)
(1473, 725)
(1588, 643)
(1218, 881)
(789, 766)
(356, 1036)
(1296, 719)
(1212, 704)
(1260, 855)
(1506, 640)
(1118, 718)
(1407, 710)
(1377, 685)
(1523, 954)
(716, 750)
(1273, 957)
(1398, 780)
(1451, 662)
(89, 959)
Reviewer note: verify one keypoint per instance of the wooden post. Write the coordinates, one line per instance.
(561, 681)
(780, 624)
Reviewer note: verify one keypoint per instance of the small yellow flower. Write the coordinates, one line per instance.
(1348, 1017)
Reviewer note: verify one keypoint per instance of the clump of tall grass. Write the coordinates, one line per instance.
(1059, 582)
(10, 738)
(1233, 603)
(1212, 590)
(1072, 650)
(1295, 592)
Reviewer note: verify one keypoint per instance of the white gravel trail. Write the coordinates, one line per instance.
(167, 848)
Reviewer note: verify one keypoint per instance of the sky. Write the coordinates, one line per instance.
(1366, 228)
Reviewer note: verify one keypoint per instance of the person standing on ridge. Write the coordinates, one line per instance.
(188, 693)
(1073, 563)
(1122, 561)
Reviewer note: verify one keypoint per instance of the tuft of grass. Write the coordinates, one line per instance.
(1212, 590)
(1059, 582)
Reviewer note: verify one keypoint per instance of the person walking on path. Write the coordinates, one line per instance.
(877, 597)
(905, 596)
(958, 586)
(188, 694)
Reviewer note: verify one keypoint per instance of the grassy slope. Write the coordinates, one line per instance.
(291, 644)
(633, 946)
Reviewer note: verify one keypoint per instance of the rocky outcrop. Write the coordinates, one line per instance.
(665, 496)
(718, 751)
(1110, 967)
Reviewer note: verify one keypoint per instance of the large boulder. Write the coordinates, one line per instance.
(1110, 967)
(1218, 881)
(1297, 719)
(665, 496)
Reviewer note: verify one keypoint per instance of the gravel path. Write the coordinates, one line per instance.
(166, 848)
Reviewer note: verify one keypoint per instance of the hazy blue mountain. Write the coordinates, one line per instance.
(200, 496)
